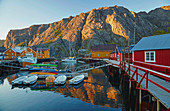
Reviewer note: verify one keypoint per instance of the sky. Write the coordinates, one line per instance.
(18, 14)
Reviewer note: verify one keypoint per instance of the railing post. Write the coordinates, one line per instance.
(147, 80)
(158, 105)
(136, 74)
(140, 99)
(129, 69)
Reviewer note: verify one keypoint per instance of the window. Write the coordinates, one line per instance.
(106, 54)
(98, 55)
(150, 56)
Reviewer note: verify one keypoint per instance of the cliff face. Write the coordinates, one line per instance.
(99, 26)
(2, 43)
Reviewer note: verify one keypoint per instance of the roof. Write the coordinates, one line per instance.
(121, 49)
(17, 50)
(40, 49)
(2, 49)
(109, 47)
(153, 43)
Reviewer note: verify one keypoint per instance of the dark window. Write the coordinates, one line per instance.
(150, 56)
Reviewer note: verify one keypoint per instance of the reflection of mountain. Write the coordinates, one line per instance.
(11, 78)
(96, 90)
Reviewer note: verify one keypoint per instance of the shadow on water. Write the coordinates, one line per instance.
(130, 97)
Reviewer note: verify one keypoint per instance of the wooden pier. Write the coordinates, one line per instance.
(88, 67)
(156, 83)
(10, 64)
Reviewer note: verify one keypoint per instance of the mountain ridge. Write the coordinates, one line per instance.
(105, 25)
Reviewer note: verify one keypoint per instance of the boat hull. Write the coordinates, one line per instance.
(30, 80)
(76, 80)
(19, 80)
(60, 80)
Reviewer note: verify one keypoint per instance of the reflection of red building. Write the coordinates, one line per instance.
(120, 52)
(153, 52)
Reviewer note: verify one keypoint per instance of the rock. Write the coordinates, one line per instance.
(106, 25)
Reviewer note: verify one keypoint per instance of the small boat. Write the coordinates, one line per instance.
(60, 80)
(19, 80)
(70, 59)
(31, 79)
(76, 79)
(50, 79)
(28, 59)
(44, 73)
(43, 67)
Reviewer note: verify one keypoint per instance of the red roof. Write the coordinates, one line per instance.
(40, 49)
(109, 47)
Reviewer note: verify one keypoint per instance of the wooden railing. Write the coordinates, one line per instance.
(127, 68)
(159, 68)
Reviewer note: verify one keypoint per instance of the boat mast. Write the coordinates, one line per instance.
(69, 47)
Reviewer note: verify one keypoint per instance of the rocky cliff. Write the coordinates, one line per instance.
(2, 43)
(106, 25)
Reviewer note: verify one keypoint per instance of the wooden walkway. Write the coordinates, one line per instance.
(88, 67)
(10, 64)
(158, 87)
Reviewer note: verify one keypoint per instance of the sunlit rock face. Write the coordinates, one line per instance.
(106, 25)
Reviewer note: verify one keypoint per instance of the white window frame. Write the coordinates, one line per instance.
(150, 56)
(133, 55)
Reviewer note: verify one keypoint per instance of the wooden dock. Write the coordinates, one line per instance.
(158, 86)
(10, 64)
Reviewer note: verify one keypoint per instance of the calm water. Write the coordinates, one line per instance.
(94, 94)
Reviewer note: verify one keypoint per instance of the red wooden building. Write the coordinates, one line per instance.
(120, 52)
(153, 52)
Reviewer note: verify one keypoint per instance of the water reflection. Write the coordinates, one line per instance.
(96, 89)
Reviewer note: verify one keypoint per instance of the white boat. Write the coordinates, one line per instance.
(60, 80)
(70, 59)
(29, 58)
(76, 79)
(31, 79)
(19, 80)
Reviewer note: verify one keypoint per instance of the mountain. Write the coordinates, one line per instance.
(106, 25)
(2, 43)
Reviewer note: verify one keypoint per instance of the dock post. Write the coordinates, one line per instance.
(130, 85)
(140, 99)
(158, 105)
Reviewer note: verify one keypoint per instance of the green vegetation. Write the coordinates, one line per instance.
(48, 41)
(21, 44)
(58, 32)
(159, 32)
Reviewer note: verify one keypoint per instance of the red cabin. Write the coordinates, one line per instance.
(120, 52)
(153, 52)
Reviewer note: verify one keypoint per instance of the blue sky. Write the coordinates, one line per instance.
(18, 14)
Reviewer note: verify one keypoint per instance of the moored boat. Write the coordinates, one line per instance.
(50, 79)
(19, 80)
(31, 79)
(43, 67)
(76, 79)
(70, 59)
(44, 73)
(28, 59)
(60, 80)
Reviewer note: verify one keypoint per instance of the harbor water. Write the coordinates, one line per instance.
(93, 94)
(104, 90)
